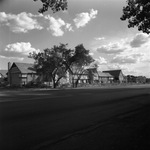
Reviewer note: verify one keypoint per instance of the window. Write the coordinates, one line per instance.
(24, 75)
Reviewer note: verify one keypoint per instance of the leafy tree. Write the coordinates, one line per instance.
(55, 5)
(137, 12)
(80, 60)
(52, 63)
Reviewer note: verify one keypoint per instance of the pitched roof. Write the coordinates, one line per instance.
(3, 73)
(102, 74)
(25, 67)
(114, 73)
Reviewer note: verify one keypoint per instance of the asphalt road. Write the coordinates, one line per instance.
(74, 119)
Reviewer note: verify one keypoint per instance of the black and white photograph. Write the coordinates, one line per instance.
(74, 74)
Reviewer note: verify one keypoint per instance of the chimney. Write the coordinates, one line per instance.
(9, 75)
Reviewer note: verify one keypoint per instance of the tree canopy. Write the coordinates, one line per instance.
(137, 12)
(53, 63)
(79, 61)
(55, 5)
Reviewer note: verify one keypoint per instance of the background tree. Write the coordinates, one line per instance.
(55, 5)
(92, 72)
(79, 61)
(52, 63)
(137, 12)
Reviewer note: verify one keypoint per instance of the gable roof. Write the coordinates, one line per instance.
(102, 74)
(114, 73)
(3, 73)
(24, 67)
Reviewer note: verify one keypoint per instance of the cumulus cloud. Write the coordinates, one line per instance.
(83, 18)
(139, 40)
(22, 22)
(22, 48)
(102, 60)
(111, 48)
(56, 26)
(130, 59)
(68, 27)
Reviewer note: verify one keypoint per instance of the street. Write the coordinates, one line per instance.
(74, 119)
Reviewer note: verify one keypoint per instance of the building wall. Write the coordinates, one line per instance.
(104, 80)
(1, 78)
(121, 77)
(18, 79)
(83, 78)
(15, 79)
(31, 77)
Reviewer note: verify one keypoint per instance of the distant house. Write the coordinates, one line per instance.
(77, 74)
(92, 75)
(105, 77)
(21, 74)
(3, 75)
(117, 74)
(81, 77)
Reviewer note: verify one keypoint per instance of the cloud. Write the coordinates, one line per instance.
(83, 18)
(123, 60)
(22, 48)
(100, 61)
(99, 38)
(91, 54)
(15, 58)
(68, 27)
(22, 22)
(139, 40)
(56, 26)
(128, 58)
(111, 48)
(131, 60)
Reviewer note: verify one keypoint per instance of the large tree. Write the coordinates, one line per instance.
(54, 5)
(137, 12)
(79, 61)
(53, 63)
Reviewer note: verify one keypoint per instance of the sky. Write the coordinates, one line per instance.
(94, 23)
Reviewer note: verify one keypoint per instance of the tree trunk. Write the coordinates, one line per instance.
(58, 80)
(73, 83)
(54, 83)
(76, 83)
